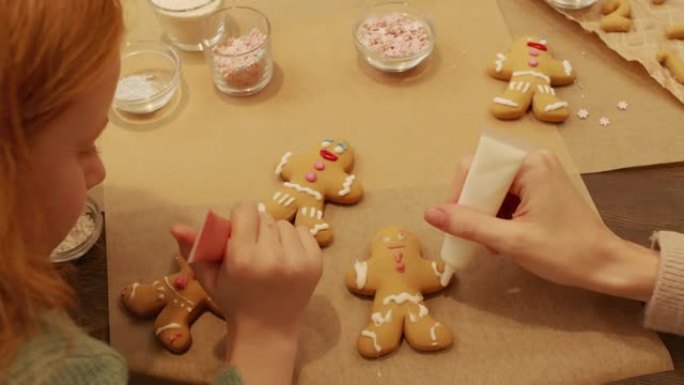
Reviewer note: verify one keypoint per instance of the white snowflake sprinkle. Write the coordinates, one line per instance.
(604, 121)
(622, 105)
(582, 113)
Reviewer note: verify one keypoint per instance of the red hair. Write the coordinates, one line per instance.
(50, 52)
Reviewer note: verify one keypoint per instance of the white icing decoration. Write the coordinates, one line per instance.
(567, 67)
(155, 283)
(283, 161)
(325, 143)
(175, 301)
(346, 186)
(387, 239)
(438, 274)
(555, 106)
(505, 102)
(433, 335)
(319, 227)
(361, 269)
(289, 201)
(319, 215)
(378, 318)
(422, 312)
(338, 150)
(164, 328)
(532, 73)
(500, 59)
(133, 288)
(304, 211)
(189, 309)
(527, 87)
(543, 41)
(276, 196)
(161, 296)
(303, 189)
(403, 297)
(374, 337)
(401, 236)
(283, 199)
(166, 279)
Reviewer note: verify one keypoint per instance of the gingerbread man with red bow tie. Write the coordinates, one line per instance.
(531, 71)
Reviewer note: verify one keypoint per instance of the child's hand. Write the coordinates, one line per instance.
(553, 233)
(262, 285)
(268, 273)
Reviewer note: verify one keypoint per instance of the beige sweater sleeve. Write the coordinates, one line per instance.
(665, 310)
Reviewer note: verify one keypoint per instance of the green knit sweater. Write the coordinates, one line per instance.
(61, 353)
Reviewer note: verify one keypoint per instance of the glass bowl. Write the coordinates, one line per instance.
(394, 36)
(150, 75)
(571, 4)
(83, 236)
(237, 45)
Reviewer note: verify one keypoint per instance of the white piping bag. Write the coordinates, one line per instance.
(495, 164)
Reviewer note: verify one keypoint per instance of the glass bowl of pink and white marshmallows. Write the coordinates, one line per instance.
(394, 36)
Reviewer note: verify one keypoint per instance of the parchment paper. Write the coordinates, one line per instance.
(648, 132)
(409, 132)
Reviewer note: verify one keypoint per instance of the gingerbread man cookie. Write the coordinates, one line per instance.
(674, 63)
(398, 276)
(177, 300)
(311, 179)
(617, 16)
(531, 71)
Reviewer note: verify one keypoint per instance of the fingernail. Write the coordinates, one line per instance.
(436, 217)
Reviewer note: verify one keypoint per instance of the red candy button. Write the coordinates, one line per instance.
(181, 282)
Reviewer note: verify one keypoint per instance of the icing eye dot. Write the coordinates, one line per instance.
(338, 149)
(387, 239)
(401, 236)
(529, 39)
(543, 41)
(325, 144)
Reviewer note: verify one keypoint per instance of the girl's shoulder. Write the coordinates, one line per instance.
(61, 353)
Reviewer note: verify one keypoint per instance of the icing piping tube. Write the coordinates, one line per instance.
(491, 174)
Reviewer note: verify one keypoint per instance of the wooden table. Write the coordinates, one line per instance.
(632, 202)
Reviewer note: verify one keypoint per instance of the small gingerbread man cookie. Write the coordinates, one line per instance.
(673, 62)
(398, 276)
(617, 16)
(177, 300)
(531, 71)
(311, 179)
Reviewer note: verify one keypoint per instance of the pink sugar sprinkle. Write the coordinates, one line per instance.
(394, 35)
(241, 60)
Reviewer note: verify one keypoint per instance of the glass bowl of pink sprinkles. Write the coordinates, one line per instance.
(237, 45)
(394, 36)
